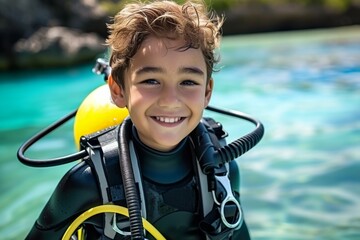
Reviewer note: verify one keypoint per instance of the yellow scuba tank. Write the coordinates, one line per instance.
(97, 112)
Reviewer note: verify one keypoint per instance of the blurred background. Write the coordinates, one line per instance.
(294, 65)
(47, 33)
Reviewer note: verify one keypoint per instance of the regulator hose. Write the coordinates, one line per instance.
(127, 174)
(53, 161)
(210, 157)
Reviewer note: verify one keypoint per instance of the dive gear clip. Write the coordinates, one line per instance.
(226, 206)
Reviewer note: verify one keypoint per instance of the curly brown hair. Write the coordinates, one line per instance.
(190, 21)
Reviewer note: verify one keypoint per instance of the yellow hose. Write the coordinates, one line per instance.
(103, 209)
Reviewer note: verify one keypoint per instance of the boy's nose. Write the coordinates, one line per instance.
(169, 97)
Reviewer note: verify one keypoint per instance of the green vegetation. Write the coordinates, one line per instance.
(338, 5)
(113, 6)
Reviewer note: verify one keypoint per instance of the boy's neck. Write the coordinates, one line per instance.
(163, 167)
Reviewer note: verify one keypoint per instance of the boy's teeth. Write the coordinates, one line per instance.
(168, 119)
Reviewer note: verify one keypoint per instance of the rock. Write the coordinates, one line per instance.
(86, 15)
(22, 19)
(57, 46)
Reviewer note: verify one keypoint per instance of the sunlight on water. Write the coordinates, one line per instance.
(301, 181)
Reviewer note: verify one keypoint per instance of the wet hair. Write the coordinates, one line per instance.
(190, 21)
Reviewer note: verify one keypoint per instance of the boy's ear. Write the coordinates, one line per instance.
(117, 93)
(208, 91)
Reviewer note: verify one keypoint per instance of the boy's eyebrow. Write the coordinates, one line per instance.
(144, 70)
(149, 69)
(192, 70)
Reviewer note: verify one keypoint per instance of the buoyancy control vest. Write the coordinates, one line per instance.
(221, 213)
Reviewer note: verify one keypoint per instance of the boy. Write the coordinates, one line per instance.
(162, 59)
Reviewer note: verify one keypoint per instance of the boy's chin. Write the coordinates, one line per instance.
(167, 145)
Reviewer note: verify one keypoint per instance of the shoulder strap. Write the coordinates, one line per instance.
(101, 148)
(111, 168)
(105, 161)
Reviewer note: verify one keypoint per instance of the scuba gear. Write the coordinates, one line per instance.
(97, 105)
(79, 191)
(128, 178)
(210, 157)
(53, 161)
(227, 210)
(217, 198)
(102, 68)
(107, 208)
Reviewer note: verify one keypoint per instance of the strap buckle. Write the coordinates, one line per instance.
(230, 209)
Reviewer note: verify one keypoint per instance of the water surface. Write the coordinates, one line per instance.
(301, 181)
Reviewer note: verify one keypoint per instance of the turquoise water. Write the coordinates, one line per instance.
(301, 182)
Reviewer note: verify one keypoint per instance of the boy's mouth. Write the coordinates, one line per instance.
(168, 120)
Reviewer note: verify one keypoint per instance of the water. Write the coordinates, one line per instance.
(301, 181)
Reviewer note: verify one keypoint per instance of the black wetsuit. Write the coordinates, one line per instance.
(170, 188)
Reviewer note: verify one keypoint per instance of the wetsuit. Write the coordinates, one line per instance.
(171, 195)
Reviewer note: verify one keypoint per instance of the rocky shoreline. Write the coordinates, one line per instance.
(41, 33)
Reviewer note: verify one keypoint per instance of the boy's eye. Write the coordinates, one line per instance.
(189, 83)
(150, 81)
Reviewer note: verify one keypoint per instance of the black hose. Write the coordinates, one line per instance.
(53, 161)
(209, 157)
(127, 174)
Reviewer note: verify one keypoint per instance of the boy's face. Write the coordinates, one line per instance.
(166, 91)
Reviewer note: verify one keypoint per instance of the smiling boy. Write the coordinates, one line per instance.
(162, 59)
(165, 90)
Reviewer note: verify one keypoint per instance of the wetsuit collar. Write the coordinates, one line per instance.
(164, 167)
